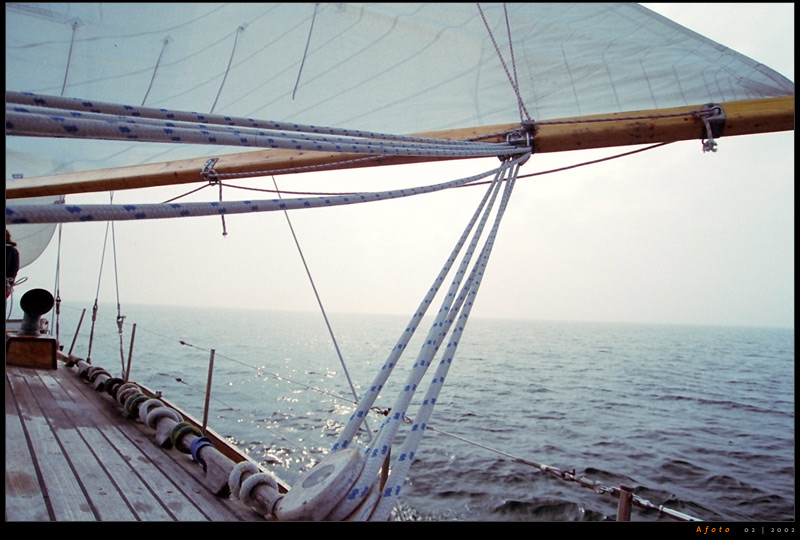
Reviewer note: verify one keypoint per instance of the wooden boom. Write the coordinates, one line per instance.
(599, 131)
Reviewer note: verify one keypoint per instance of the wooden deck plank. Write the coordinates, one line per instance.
(175, 476)
(116, 493)
(91, 462)
(24, 498)
(60, 485)
(150, 496)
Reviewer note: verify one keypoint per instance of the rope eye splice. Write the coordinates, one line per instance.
(713, 118)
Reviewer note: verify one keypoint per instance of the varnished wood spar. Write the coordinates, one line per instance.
(743, 118)
(266, 162)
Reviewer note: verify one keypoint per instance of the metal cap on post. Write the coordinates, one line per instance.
(625, 500)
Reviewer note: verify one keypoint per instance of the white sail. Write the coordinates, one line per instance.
(31, 239)
(393, 68)
(387, 68)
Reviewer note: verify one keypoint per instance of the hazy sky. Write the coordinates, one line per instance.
(673, 235)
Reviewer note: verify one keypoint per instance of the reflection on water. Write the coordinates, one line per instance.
(698, 419)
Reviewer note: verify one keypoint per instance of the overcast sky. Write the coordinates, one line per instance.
(672, 235)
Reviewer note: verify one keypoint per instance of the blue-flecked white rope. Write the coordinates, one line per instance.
(50, 116)
(50, 121)
(366, 402)
(76, 105)
(405, 455)
(378, 450)
(66, 213)
(38, 122)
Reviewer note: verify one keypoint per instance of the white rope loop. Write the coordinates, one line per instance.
(147, 406)
(162, 412)
(235, 476)
(378, 450)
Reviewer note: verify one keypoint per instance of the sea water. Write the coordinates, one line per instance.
(697, 419)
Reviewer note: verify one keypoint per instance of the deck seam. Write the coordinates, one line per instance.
(31, 450)
(163, 484)
(193, 489)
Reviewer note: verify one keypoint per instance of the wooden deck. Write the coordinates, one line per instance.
(71, 455)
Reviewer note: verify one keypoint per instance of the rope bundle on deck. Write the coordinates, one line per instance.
(223, 477)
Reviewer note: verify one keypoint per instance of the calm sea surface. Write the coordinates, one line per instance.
(698, 419)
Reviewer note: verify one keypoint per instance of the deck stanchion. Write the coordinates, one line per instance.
(130, 355)
(625, 501)
(208, 389)
(77, 330)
